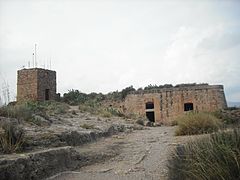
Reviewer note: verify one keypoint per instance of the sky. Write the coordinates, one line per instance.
(107, 45)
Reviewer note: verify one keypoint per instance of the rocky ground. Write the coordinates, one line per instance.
(73, 129)
(51, 145)
(82, 146)
(139, 155)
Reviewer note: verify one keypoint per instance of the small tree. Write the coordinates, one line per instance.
(126, 91)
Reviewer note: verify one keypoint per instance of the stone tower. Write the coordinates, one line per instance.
(36, 84)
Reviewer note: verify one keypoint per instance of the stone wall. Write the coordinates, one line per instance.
(46, 80)
(33, 83)
(169, 102)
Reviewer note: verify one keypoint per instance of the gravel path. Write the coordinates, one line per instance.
(139, 155)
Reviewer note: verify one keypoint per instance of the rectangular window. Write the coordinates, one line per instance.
(46, 94)
(188, 106)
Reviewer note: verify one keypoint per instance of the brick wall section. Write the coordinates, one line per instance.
(169, 102)
(46, 80)
(32, 83)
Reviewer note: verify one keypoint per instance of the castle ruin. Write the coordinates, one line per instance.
(36, 84)
(164, 104)
(160, 105)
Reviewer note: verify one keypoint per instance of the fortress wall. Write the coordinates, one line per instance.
(169, 102)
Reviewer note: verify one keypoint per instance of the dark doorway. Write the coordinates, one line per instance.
(46, 94)
(149, 105)
(150, 116)
(188, 106)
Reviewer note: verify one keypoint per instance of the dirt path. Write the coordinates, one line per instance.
(139, 155)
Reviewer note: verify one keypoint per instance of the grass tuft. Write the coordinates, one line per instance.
(197, 123)
(20, 111)
(11, 138)
(97, 109)
(213, 157)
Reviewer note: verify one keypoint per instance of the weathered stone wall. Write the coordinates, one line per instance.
(46, 80)
(32, 84)
(169, 102)
(27, 84)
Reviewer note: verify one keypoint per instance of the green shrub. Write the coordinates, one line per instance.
(87, 108)
(74, 97)
(115, 112)
(11, 138)
(214, 157)
(97, 109)
(105, 114)
(197, 123)
(26, 111)
(20, 111)
(47, 107)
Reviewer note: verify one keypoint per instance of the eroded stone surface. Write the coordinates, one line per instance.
(168, 103)
(41, 160)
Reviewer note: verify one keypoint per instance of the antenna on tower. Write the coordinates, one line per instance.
(35, 55)
(28, 64)
(33, 60)
(50, 63)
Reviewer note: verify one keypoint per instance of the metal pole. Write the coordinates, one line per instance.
(35, 55)
(33, 60)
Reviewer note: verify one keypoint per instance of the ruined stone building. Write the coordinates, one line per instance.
(164, 104)
(36, 84)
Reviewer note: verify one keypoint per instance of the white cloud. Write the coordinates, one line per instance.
(104, 46)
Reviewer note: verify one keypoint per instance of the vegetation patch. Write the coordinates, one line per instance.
(20, 111)
(33, 111)
(197, 123)
(96, 109)
(11, 138)
(213, 157)
(47, 107)
(229, 116)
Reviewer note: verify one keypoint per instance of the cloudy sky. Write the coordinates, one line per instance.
(105, 45)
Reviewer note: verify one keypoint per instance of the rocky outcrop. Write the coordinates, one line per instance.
(44, 163)
(38, 165)
(73, 137)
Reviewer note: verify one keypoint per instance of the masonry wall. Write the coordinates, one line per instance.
(169, 102)
(46, 80)
(27, 85)
(32, 84)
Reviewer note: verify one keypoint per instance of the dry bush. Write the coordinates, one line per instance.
(11, 137)
(96, 109)
(213, 157)
(197, 123)
(19, 111)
